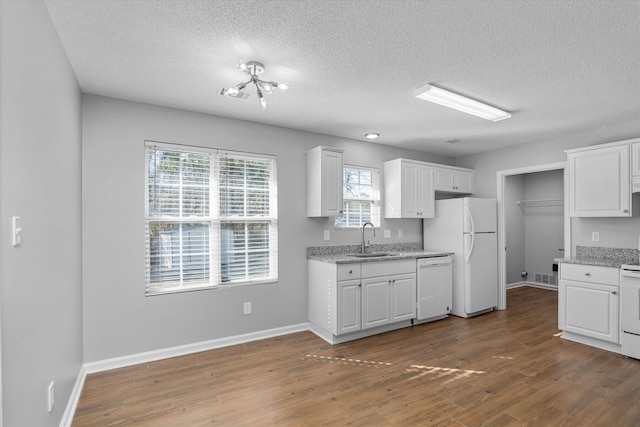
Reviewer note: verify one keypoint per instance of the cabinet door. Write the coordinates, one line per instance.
(444, 179)
(463, 182)
(348, 306)
(332, 177)
(403, 297)
(635, 159)
(375, 302)
(599, 182)
(410, 187)
(426, 193)
(589, 309)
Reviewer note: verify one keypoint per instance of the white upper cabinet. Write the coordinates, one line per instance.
(324, 182)
(635, 165)
(408, 189)
(453, 180)
(599, 181)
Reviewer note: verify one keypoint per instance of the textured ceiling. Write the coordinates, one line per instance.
(557, 66)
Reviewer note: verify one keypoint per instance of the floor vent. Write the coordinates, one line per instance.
(545, 279)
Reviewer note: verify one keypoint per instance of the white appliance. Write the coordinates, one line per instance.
(630, 309)
(434, 294)
(467, 226)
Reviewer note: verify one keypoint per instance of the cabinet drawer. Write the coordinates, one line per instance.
(388, 268)
(590, 274)
(348, 271)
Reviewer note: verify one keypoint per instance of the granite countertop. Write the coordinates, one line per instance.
(345, 254)
(601, 256)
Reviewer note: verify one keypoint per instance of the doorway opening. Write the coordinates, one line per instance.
(532, 212)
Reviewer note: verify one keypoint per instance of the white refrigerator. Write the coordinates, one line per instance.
(467, 227)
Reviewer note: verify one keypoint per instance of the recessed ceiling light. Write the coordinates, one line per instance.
(460, 103)
(371, 135)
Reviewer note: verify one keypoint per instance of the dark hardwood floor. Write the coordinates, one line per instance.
(505, 368)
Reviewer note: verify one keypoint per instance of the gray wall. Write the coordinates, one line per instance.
(118, 319)
(514, 227)
(621, 232)
(40, 175)
(544, 221)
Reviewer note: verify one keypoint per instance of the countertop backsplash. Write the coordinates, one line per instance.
(600, 252)
(352, 249)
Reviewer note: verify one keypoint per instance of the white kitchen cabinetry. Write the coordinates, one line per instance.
(599, 181)
(635, 165)
(350, 301)
(388, 292)
(324, 182)
(635, 158)
(453, 180)
(408, 189)
(588, 302)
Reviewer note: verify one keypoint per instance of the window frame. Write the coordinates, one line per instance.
(375, 199)
(215, 221)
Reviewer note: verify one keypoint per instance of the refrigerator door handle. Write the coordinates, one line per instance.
(467, 213)
(469, 250)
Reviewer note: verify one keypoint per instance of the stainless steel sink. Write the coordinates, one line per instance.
(375, 255)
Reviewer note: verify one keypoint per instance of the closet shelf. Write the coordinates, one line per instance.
(540, 202)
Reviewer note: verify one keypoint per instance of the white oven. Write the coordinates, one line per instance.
(630, 309)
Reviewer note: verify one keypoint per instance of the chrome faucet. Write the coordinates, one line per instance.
(364, 247)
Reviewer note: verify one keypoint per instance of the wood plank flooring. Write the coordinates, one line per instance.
(506, 368)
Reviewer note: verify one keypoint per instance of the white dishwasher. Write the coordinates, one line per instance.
(434, 290)
(630, 309)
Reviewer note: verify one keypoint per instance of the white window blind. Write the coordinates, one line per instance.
(211, 218)
(361, 197)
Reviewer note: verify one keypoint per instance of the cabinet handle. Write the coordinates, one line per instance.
(626, 211)
(614, 293)
(350, 271)
(587, 274)
(393, 281)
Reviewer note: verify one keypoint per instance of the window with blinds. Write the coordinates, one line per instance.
(361, 197)
(210, 218)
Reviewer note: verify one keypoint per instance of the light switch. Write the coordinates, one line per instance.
(400, 233)
(595, 236)
(16, 226)
(327, 235)
(387, 234)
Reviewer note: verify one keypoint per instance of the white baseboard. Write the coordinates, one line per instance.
(533, 285)
(165, 353)
(70, 410)
(516, 285)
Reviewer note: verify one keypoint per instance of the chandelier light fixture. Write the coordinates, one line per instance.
(460, 103)
(254, 69)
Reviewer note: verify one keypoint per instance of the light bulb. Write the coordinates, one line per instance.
(263, 103)
(232, 91)
(242, 66)
(267, 87)
(283, 87)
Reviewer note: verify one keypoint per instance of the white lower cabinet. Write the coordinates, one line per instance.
(388, 292)
(588, 302)
(348, 300)
(348, 313)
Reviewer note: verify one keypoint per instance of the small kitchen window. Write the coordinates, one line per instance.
(361, 197)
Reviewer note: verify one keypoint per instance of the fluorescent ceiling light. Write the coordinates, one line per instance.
(460, 103)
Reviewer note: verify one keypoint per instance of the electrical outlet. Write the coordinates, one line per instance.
(247, 307)
(400, 233)
(51, 396)
(595, 236)
(387, 234)
(327, 235)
